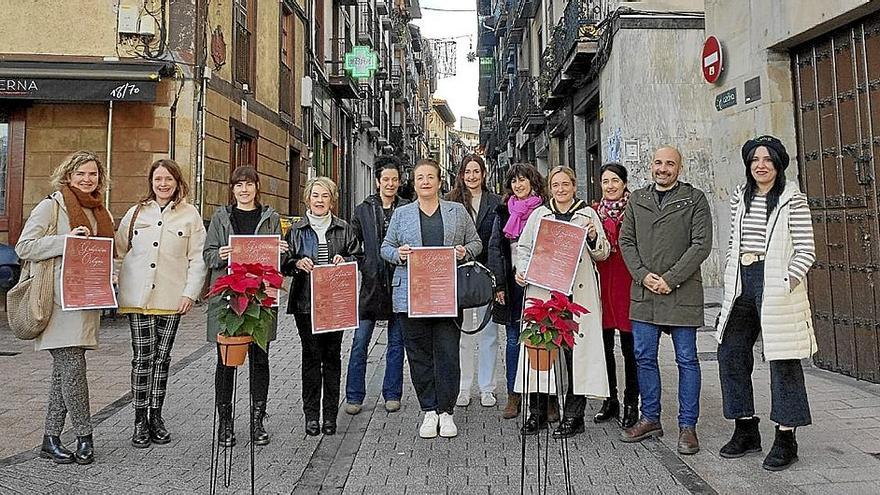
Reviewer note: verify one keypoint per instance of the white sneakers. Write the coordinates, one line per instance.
(433, 422)
(464, 399)
(447, 426)
(487, 399)
(429, 425)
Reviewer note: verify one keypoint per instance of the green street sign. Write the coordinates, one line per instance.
(361, 62)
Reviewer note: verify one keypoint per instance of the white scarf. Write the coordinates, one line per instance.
(320, 225)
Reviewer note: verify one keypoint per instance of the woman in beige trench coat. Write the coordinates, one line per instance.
(79, 183)
(586, 374)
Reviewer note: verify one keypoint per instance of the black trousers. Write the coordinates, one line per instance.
(789, 405)
(432, 349)
(631, 372)
(258, 365)
(321, 370)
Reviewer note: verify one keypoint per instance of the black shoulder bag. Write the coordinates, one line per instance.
(476, 288)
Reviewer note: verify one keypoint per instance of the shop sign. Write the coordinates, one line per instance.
(20, 88)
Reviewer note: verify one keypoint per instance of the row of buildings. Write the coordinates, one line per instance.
(296, 88)
(583, 82)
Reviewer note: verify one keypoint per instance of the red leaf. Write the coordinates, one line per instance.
(273, 278)
(239, 304)
(268, 301)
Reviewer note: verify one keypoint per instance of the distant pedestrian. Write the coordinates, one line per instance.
(770, 251)
(75, 208)
(665, 236)
(585, 363)
(524, 192)
(160, 240)
(244, 216)
(318, 238)
(370, 222)
(471, 192)
(431, 343)
(616, 282)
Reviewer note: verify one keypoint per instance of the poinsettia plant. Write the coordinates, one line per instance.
(248, 308)
(550, 324)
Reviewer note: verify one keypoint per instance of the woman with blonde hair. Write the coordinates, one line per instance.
(319, 238)
(160, 240)
(75, 208)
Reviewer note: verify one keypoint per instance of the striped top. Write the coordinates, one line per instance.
(753, 238)
(323, 254)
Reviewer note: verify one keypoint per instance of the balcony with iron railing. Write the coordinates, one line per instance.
(577, 41)
(341, 82)
(365, 107)
(511, 104)
(532, 115)
(242, 54)
(366, 32)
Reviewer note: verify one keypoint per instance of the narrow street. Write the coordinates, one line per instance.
(377, 452)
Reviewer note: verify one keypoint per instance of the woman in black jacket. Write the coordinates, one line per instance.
(319, 238)
(524, 192)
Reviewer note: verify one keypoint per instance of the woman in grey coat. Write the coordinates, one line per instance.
(246, 217)
(431, 343)
(75, 208)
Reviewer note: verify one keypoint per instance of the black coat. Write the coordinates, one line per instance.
(485, 220)
(369, 228)
(500, 262)
(303, 242)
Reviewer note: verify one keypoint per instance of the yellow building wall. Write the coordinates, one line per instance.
(58, 28)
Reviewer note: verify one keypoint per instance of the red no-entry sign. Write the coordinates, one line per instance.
(712, 62)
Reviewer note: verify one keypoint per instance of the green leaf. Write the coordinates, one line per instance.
(253, 311)
(233, 323)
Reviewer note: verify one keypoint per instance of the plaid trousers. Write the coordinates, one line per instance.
(152, 337)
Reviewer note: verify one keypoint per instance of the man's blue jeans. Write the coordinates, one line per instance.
(646, 338)
(355, 382)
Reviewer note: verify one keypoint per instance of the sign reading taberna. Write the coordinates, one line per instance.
(361, 62)
(23, 88)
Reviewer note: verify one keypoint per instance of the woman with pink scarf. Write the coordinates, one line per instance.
(524, 192)
(615, 282)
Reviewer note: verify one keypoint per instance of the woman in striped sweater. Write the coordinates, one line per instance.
(770, 251)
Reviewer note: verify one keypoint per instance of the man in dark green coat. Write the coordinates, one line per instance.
(665, 236)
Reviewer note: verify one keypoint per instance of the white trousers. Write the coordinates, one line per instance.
(485, 344)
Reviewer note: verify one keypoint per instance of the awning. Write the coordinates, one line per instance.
(81, 81)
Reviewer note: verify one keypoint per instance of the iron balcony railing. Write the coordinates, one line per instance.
(242, 54)
(580, 21)
(366, 21)
(335, 66)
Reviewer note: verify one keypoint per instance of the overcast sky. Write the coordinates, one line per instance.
(460, 91)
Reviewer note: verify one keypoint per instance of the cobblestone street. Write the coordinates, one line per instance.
(377, 452)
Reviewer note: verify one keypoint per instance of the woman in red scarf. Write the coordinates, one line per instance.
(75, 208)
(615, 282)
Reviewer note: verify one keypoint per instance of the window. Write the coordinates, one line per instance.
(242, 145)
(245, 15)
(287, 88)
(12, 125)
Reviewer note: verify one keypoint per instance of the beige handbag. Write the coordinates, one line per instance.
(30, 303)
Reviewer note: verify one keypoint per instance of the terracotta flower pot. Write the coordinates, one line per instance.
(233, 350)
(541, 358)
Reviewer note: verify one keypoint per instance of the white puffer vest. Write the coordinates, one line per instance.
(786, 320)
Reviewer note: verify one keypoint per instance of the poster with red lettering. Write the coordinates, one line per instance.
(87, 273)
(555, 255)
(433, 282)
(334, 297)
(263, 249)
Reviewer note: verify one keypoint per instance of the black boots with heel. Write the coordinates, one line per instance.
(53, 449)
(158, 433)
(610, 410)
(261, 436)
(85, 450)
(746, 439)
(140, 438)
(784, 451)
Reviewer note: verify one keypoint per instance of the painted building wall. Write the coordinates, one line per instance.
(659, 99)
(56, 22)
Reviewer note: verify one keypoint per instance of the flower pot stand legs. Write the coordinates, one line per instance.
(228, 451)
(538, 459)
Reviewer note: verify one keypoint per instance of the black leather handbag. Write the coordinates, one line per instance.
(476, 288)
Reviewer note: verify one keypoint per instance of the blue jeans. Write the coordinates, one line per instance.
(513, 328)
(355, 382)
(646, 338)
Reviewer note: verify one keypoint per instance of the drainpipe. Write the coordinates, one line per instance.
(109, 159)
(200, 143)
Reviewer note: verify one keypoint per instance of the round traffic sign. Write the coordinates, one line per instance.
(711, 60)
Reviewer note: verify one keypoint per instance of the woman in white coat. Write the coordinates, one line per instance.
(585, 369)
(771, 249)
(160, 240)
(75, 208)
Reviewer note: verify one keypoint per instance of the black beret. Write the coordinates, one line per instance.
(769, 142)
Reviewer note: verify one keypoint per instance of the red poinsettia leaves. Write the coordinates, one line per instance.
(273, 278)
(267, 302)
(238, 303)
(553, 319)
